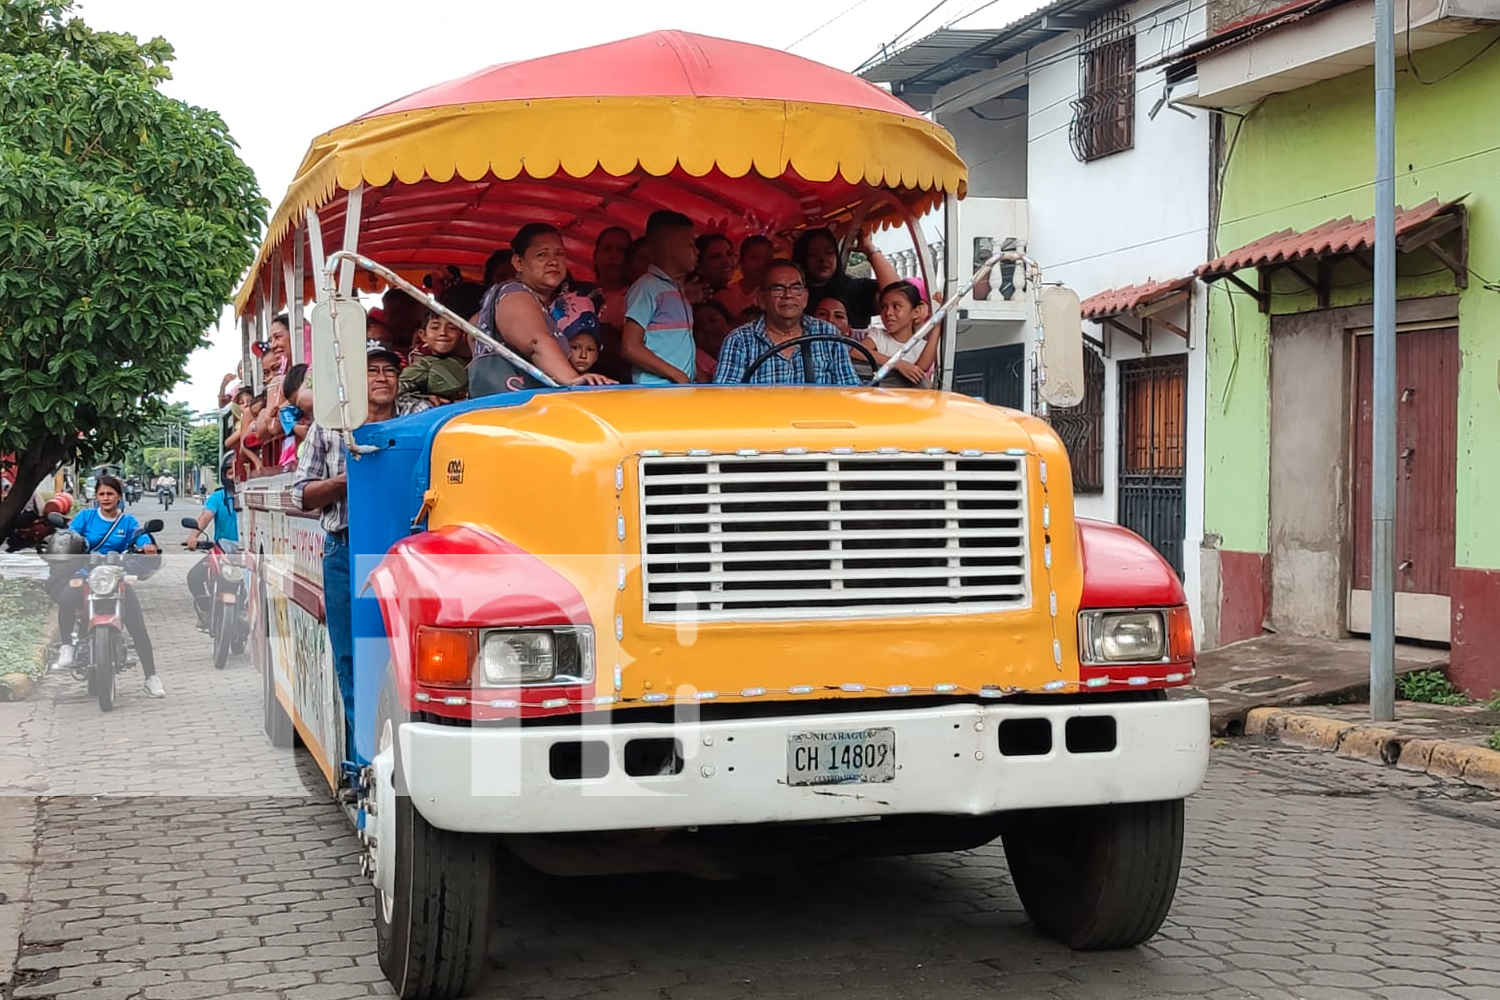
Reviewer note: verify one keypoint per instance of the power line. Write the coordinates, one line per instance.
(847, 10)
(897, 40)
(1268, 211)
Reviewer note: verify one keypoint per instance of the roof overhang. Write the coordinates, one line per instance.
(1146, 302)
(1422, 227)
(1307, 43)
(918, 71)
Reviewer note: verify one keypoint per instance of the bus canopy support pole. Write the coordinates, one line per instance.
(300, 348)
(356, 202)
(1383, 464)
(315, 244)
(951, 254)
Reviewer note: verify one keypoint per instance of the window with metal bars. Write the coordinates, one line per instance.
(1081, 427)
(1104, 113)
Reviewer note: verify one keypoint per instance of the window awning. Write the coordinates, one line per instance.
(1134, 298)
(1145, 302)
(1416, 228)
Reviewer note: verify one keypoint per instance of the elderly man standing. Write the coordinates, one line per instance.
(321, 483)
(784, 297)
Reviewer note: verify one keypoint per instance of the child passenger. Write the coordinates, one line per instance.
(441, 373)
(583, 351)
(658, 335)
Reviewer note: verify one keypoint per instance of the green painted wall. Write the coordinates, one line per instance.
(1305, 157)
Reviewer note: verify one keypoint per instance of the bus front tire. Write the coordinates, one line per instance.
(1096, 878)
(432, 934)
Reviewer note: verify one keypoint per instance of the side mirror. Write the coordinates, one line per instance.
(342, 320)
(1061, 318)
(57, 520)
(152, 526)
(190, 523)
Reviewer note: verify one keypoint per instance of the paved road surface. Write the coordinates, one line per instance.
(179, 857)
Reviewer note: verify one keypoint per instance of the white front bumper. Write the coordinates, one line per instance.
(948, 762)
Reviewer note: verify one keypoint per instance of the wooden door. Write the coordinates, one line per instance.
(1426, 480)
(1153, 452)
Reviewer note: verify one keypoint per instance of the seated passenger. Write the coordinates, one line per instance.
(902, 310)
(831, 309)
(818, 252)
(756, 252)
(637, 259)
(658, 335)
(583, 351)
(521, 312)
(784, 295)
(440, 373)
(295, 414)
(710, 327)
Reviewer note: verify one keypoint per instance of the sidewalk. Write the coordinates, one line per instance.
(1289, 670)
(1314, 693)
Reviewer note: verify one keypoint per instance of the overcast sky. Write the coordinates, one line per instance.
(281, 72)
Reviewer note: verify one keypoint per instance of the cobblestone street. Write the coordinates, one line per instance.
(178, 856)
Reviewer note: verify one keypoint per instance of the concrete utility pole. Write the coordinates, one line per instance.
(1383, 471)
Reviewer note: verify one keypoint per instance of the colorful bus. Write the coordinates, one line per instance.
(640, 623)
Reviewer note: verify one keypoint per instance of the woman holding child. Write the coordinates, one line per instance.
(521, 312)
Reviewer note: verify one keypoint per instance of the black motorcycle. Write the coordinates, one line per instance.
(225, 608)
(99, 637)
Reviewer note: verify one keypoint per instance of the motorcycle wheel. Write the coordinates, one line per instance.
(106, 652)
(219, 627)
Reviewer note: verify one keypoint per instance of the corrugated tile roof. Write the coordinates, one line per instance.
(1336, 236)
(1113, 301)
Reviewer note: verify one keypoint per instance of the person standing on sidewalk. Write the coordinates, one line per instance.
(321, 483)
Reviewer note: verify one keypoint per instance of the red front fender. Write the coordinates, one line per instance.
(458, 576)
(1122, 570)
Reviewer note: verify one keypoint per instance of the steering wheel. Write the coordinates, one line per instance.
(802, 341)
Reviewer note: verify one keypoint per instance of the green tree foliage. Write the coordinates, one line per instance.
(126, 220)
(203, 445)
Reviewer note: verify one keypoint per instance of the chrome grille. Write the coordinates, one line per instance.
(795, 537)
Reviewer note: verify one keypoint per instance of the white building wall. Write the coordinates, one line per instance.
(1123, 219)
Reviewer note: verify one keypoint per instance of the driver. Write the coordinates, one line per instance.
(783, 295)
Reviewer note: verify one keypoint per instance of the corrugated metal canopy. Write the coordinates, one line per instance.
(917, 71)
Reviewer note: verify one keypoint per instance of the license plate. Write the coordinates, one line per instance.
(841, 757)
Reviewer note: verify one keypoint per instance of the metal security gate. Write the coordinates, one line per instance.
(995, 374)
(1153, 452)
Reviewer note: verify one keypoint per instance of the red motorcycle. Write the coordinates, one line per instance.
(225, 607)
(99, 635)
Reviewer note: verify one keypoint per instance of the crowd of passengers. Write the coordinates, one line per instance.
(669, 307)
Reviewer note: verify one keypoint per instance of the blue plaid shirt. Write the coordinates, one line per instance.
(830, 359)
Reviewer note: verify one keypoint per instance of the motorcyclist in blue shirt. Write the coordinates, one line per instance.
(107, 528)
(220, 508)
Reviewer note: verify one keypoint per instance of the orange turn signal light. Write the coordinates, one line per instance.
(1180, 634)
(445, 656)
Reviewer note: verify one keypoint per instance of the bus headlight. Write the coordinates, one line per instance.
(1122, 636)
(105, 580)
(512, 657)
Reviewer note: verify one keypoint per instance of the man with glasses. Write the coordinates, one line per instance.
(322, 484)
(784, 297)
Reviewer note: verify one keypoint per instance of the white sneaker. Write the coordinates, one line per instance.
(64, 656)
(154, 688)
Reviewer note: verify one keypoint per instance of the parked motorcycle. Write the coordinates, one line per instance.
(99, 635)
(225, 608)
(32, 529)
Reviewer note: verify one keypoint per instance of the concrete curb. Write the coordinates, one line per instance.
(1440, 758)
